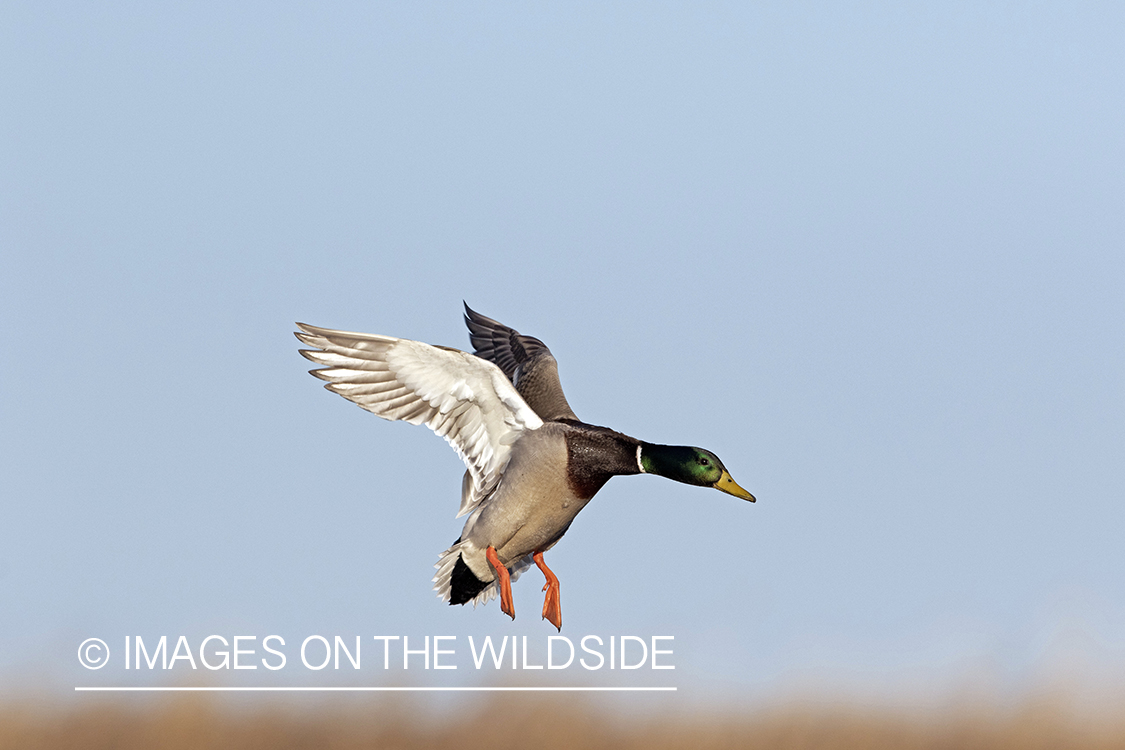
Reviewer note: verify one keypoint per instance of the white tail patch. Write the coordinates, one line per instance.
(443, 579)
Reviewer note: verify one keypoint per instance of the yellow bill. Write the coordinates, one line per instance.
(727, 484)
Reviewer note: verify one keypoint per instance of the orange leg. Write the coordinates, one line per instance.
(506, 605)
(552, 608)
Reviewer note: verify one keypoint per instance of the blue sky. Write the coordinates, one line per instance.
(869, 254)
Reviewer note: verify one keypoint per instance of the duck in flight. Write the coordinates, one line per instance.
(532, 464)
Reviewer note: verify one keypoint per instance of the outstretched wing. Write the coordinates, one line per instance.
(526, 361)
(463, 398)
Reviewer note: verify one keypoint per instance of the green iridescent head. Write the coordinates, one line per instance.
(691, 466)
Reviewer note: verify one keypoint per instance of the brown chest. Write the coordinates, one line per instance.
(593, 456)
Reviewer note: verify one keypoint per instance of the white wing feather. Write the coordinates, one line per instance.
(463, 398)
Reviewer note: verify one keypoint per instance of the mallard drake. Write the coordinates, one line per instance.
(532, 465)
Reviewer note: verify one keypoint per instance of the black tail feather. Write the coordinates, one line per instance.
(463, 585)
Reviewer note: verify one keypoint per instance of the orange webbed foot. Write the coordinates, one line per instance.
(552, 607)
(506, 604)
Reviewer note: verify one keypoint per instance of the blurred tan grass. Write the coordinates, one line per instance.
(195, 722)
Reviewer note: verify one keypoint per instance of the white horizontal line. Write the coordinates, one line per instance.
(373, 689)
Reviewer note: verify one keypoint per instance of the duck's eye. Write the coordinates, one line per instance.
(704, 462)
